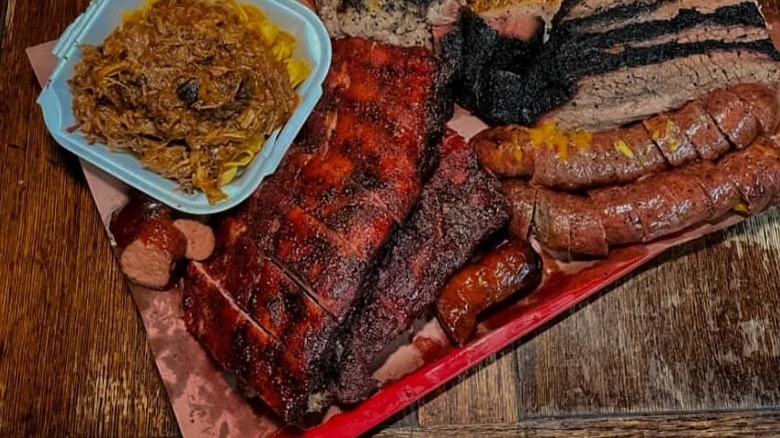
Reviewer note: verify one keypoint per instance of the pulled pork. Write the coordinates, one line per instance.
(191, 87)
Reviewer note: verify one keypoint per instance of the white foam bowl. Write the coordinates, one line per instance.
(103, 16)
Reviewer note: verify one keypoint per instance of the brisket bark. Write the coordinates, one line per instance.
(273, 302)
(598, 74)
(460, 206)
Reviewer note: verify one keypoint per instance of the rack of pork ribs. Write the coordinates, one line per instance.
(580, 193)
(349, 241)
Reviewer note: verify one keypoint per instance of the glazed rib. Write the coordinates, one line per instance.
(272, 303)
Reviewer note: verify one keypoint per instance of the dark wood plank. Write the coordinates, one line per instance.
(698, 329)
(486, 394)
(73, 355)
(713, 425)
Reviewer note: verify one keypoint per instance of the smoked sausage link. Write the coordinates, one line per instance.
(150, 247)
(704, 129)
(501, 273)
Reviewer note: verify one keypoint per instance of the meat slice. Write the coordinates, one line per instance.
(671, 140)
(288, 314)
(459, 207)
(722, 193)
(321, 263)
(577, 11)
(701, 130)
(588, 235)
(522, 199)
(152, 258)
(392, 177)
(552, 221)
(664, 209)
(334, 198)
(733, 116)
(569, 225)
(640, 143)
(620, 218)
(604, 15)
(755, 172)
(265, 209)
(762, 103)
(200, 238)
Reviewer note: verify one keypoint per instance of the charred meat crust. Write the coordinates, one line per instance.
(460, 206)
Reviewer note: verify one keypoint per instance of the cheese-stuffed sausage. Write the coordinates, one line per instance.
(706, 129)
(151, 241)
(747, 181)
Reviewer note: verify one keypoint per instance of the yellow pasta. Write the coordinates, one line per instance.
(283, 46)
(297, 70)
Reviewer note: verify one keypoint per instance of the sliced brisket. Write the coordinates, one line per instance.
(604, 15)
(608, 63)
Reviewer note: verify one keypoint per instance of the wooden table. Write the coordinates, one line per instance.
(688, 346)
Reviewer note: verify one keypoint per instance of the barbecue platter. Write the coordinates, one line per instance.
(585, 133)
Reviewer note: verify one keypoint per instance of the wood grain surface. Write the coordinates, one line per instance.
(688, 346)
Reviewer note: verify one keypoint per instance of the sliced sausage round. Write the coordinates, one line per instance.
(200, 238)
(733, 117)
(699, 127)
(762, 103)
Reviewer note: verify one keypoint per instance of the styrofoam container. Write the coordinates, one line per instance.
(103, 16)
